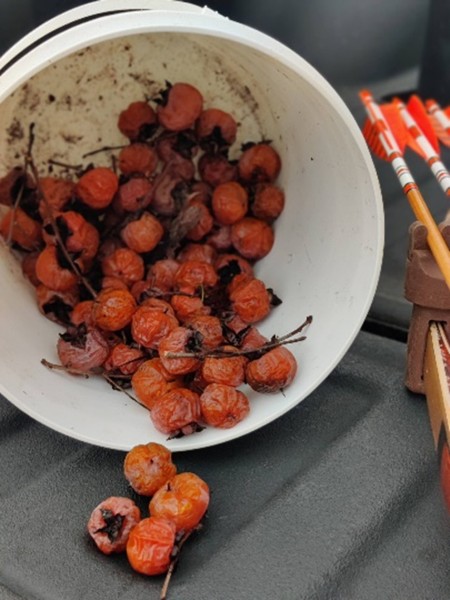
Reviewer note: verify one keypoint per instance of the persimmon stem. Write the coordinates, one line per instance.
(275, 342)
(110, 378)
(103, 149)
(74, 267)
(174, 561)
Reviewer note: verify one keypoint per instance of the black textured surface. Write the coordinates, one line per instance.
(323, 503)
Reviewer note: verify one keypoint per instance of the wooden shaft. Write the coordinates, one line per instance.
(435, 240)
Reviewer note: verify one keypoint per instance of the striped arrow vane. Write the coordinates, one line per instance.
(422, 138)
(380, 136)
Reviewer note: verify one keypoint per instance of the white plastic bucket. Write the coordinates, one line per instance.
(73, 75)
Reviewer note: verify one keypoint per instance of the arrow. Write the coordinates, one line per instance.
(379, 134)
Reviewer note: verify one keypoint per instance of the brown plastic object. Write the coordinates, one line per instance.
(426, 289)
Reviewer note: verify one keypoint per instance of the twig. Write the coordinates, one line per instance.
(74, 266)
(107, 377)
(104, 149)
(119, 387)
(174, 561)
(58, 163)
(275, 342)
(56, 367)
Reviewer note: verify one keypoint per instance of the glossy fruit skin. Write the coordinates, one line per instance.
(125, 264)
(147, 467)
(195, 273)
(223, 406)
(51, 274)
(122, 515)
(226, 370)
(161, 274)
(268, 203)
(252, 238)
(204, 224)
(138, 158)
(25, 231)
(134, 119)
(251, 300)
(90, 355)
(113, 309)
(229, 203)
(214, 120)
(124, 359)
(150, 326)
(177, 341)
(134, 194)
(143, 234)
(82, 313)
(151, 380)
(150, 545)
(273, 372)
(176, 410)
(198, 252)
(184, 106)
(97, 187)
(56, 306)
(210, 329)
(259, 163)
(57, 193)
(184, 500)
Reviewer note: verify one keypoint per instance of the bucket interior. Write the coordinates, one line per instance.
(326, 256)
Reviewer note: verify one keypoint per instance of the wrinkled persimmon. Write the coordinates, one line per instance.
(147, 467)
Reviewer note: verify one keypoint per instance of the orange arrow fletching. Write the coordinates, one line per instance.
(419, 113)
(396, 126)
(440, 121)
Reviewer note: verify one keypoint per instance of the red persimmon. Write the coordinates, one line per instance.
(83, 351)
(143, 234)
(268, 202)
(151, 380)
(150, 545)
(124, 359)
(216, 126)
(223, 406)
(136, 120)
(229, 203)
(209, 328)
(124, 264)
(252, 238)
(250, 299)
(57, 193)
(178, 341)
(216, 169)
(150, 326)
(183, 500)
(161, 274)
(97, 187)
(134, 194)
(183, 106)
(176, 412)
(258, 163)
(16, 226)
(271, 372)
(195, 273)
(138, 158)
(147, 467)
(51, 274)
(225, 370)
(111, 522)
(113, 309)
